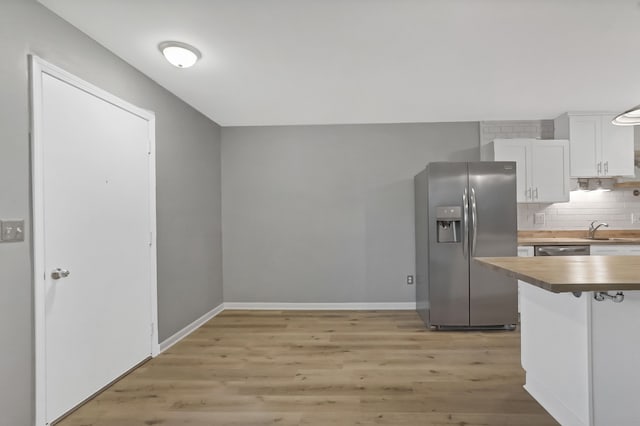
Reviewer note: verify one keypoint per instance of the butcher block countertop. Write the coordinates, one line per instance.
(563, 274)
(561, 241)
(549, 238)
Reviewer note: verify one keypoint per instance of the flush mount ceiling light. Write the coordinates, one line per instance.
(179, 54)
(628, 118)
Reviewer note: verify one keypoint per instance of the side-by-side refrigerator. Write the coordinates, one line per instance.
(465, 210)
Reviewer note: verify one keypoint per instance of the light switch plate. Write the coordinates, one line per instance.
(11, 231)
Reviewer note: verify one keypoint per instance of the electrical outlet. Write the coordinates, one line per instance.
(538, 219)
(409, 279)
(11, 230)
(635, 217)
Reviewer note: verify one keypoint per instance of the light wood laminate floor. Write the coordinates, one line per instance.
(323, 368)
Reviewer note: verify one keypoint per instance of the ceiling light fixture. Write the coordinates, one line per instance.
(628, 118)
(181, 55)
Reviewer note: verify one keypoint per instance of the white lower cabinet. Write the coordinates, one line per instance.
(615, 250)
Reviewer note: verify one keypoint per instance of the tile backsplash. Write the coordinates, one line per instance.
(614, 207)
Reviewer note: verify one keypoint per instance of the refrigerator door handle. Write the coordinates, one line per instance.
(474, 219)
(465, 232)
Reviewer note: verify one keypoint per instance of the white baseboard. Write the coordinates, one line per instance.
(558, 410)
(400, 306)
(167, 343)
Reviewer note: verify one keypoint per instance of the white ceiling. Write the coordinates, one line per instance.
(271, 62)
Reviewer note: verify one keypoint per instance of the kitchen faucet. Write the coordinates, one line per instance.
(593, 229)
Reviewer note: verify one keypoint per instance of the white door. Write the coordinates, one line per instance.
(93, 216)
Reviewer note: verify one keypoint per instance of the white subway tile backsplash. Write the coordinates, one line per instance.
(614, 207)
(571, 212)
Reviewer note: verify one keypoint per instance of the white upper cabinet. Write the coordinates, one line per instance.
(549, 170)
(542, 167)
(598, 148)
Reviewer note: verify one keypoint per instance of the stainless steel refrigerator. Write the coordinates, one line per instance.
(465, 210)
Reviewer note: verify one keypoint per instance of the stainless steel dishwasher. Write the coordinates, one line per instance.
(562, 250)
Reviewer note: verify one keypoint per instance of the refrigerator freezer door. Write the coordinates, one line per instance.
(448, 284)
(493, 232)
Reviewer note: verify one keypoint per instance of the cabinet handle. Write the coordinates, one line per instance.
(599, 167)
(527, 194)
(606, 167)
(536, 191)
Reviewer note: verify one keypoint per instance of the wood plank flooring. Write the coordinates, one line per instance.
(322, 368)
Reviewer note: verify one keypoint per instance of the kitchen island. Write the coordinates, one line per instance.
(580, 335)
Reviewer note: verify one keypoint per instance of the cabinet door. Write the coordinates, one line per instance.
(614, 250)
(549, 171)
(515, 150)
(585, 133)
(605, 250)
(629, 250)
(617, 149)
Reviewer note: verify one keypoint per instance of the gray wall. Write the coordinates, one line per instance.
(325, 213)
(188, 177)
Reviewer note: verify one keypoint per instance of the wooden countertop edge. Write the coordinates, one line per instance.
(551, 241)
(559, 287)
(579, 233)
(542, 284)
(575, 237)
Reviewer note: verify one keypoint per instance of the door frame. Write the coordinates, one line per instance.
(39, 67)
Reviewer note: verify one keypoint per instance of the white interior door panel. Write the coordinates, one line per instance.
(94, 214)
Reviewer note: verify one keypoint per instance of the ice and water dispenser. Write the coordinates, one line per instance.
(449, 219)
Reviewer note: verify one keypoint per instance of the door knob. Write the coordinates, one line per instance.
(59, 273)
